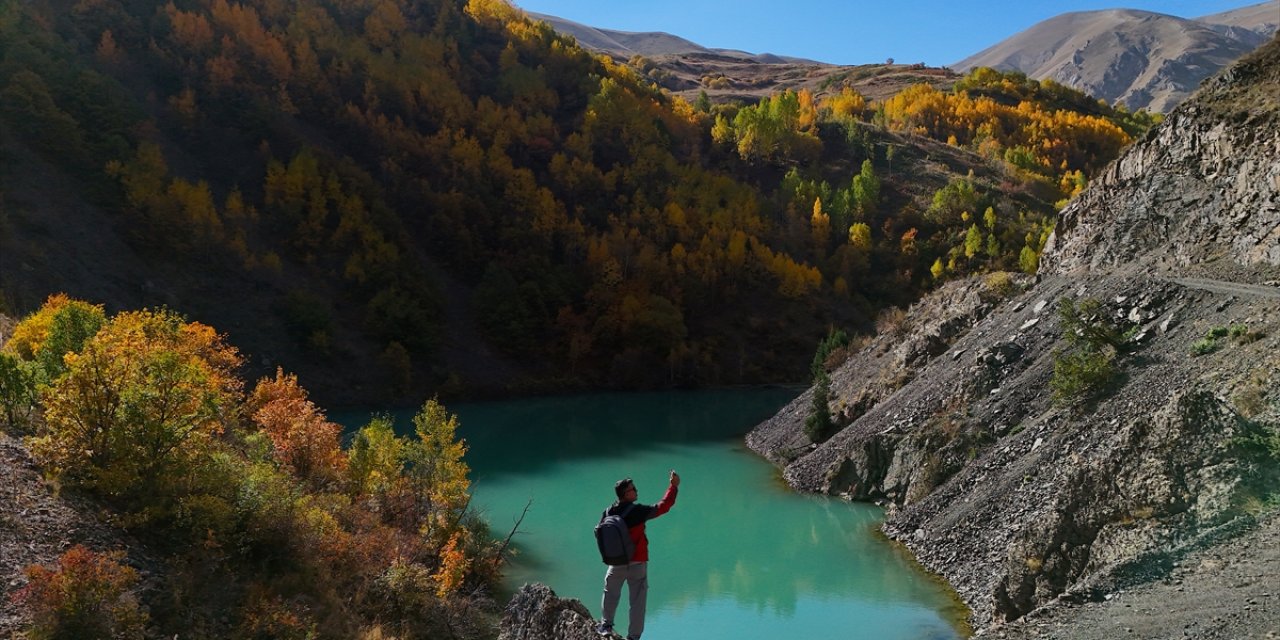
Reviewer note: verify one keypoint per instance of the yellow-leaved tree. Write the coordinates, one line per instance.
(436, 470)
(145, 394)
(60, 326)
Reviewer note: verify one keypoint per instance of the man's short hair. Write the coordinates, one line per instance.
(620, 487)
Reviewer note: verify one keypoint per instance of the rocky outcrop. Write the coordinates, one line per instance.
(1224, 592)
(1025, 504)
(537, 613)
(1204, 186)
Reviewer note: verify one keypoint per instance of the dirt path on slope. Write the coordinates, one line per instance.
(1229, 288)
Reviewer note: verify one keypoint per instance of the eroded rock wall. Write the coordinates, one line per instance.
(1203, 186)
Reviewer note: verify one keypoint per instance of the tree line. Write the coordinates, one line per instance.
(605, 229)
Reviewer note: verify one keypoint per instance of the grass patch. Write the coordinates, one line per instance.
(1204, 346)
(1213, 338)
(1251, 400)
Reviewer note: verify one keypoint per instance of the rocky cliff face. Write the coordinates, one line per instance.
(1201, 187)
(1025, 504)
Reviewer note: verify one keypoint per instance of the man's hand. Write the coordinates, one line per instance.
(675, 478)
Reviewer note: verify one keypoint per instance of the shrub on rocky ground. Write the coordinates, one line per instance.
(1089, 366)
(88, 595)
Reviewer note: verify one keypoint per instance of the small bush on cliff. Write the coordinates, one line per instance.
(1259, 440)
(893, 321)
(831, 352)
(818, 425)
(17, 390)
(1081, 374)
(1086, 324)
(1212, 340)
(998, 286)
(1090, 364)
(1204, 346)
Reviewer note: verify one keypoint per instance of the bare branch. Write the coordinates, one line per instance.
(497, 559)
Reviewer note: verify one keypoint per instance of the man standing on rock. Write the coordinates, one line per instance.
(635, 573)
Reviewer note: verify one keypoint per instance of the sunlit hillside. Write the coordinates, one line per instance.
(397, 198)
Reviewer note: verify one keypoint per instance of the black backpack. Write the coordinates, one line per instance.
(614, 538)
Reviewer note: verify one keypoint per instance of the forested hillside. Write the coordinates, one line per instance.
(443, 195)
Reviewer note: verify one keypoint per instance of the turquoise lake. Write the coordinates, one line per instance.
(740, 556)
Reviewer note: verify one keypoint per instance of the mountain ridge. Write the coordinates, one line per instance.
(651, 43)
(1145, 59)
(1141, 58)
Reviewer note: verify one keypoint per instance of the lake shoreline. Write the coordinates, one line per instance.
(811, 564)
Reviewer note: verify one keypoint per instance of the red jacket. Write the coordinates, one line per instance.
(639, 515)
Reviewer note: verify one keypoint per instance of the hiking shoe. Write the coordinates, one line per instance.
(604, 629)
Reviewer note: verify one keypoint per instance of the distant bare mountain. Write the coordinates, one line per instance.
(624, 44)
(621, 42)
(1143, 59)
(688, 69)
(1262, 18)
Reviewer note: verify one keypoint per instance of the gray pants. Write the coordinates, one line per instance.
(636, 575)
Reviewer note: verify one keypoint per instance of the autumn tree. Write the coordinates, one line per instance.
(375, 459)
(302, 439)
(61, 326)
(781, 126)
(848, 105)
(958, 197)
(972, 241)
(860, 236)
(143, 396)
(436, 471)
(865, 190)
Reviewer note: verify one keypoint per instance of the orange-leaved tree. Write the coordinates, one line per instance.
(303, 440)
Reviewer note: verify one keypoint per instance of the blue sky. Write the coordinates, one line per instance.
(936, 32)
